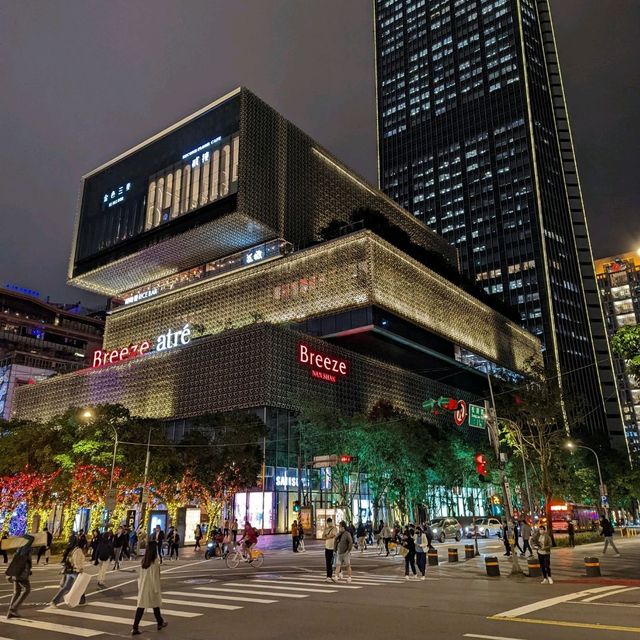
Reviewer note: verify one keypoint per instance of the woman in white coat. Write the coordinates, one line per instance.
(149, 595)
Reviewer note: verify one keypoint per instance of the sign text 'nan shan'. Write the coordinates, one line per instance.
(323, 367)
(165, 341)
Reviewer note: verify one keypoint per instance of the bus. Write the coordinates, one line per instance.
(584, 518)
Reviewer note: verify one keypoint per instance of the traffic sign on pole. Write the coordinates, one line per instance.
(477, 417)
(110, 499)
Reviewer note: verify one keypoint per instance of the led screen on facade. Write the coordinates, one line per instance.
(192, 166)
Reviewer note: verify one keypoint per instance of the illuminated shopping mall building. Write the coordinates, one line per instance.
(208, 237)
(619, 283)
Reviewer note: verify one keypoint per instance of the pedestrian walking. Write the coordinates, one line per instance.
(158, 537)
(409, 544)
(607, 532)
(421, 552)
(73, 567)
(104, 553)
(197, 534)
(329, 534)
(170, 535)
(118, 544)
(505, 539)
(571, 530)
(361, 534)
(368, 528)
(542, 543)
(175, 545)
(386, 536)
(19, 572)
(133, 542)
(45, 550)
(516, 537)
(525, 531)
(234, 531)
(149, 592)
(343, 547)
(3, 553)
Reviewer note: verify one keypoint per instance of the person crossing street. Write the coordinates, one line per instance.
(19, 572)
(607, 533)
(149, 591)
(343, 547)
(329, 536)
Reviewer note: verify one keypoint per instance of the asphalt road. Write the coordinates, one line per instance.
(288, 598)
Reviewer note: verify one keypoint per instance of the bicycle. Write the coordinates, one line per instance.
(254, 557)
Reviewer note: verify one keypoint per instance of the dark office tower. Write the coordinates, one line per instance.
(474, 139)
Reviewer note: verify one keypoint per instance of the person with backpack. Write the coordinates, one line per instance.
(104, 553)
(607, 532)
(73, 567)
(19, 572)
(149, 592)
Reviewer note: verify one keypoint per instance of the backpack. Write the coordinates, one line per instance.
(17, 565)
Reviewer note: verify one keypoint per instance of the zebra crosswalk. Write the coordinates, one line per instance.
(104, 616)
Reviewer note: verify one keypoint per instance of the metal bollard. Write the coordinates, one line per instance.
(453, 554)
(534, 568)
(592, 567)
(469, 552)
(432, 556)
(492, 566)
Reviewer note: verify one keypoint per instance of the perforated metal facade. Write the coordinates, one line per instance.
(245, 368)
(353, 271)
(287, 186)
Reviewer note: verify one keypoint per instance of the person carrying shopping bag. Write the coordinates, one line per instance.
(73, 585)
(149, 593)
(19, 572)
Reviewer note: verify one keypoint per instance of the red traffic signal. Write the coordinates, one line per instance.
(481, 464)
(346, 459)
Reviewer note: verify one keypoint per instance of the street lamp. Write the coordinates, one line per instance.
(572, 445)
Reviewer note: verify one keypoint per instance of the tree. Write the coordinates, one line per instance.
(536, 426)
(626, 343)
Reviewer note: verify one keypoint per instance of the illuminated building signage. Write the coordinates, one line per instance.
(116, 196)
(142, 295)
(322, 367)
(165, 341)
(254, 256)
(202, 147)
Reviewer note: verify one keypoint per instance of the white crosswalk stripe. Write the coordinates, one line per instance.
(93, 616)
(52, 626)
(254, 592)
(316, 582)
(265, 583)
(221, 597)
(130, 607)
(187, 603)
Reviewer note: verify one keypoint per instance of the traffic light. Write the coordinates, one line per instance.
(481, 466)
(346, 458)
(296, 506)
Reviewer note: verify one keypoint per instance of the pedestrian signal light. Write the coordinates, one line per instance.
(481, 465)
(296, 506)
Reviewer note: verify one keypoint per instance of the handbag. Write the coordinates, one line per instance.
(404, 551)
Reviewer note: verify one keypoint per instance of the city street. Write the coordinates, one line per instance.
(288, 595)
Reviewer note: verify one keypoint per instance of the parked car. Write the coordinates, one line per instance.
(444, 528)
(487, 527)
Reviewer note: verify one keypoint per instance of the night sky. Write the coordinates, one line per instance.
(81, 81)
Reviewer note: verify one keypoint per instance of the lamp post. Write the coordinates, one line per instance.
(573, 445)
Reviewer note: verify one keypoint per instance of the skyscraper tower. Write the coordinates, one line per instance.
(474, 139)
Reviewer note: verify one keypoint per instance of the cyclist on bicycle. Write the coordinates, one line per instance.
(249, 537)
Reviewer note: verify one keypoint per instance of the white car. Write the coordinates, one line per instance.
(486, 527)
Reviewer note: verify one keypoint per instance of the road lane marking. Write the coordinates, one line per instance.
(130, 607)
(215, 596)
(475, 635)
(563, 623)
(610, 593)
(93, 616)
(629, 605)
(264, 584)
(187, 603)
(550, 602)
(52, 626)
(307, 584)
(254, 592)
